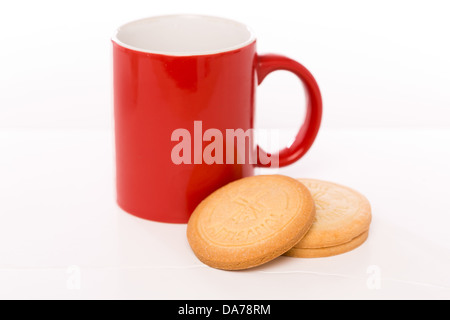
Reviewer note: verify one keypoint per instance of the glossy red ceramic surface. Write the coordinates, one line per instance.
(155, 94)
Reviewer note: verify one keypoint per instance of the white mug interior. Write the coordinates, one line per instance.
(184, 35)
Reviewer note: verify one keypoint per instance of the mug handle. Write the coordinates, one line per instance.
(308, 132)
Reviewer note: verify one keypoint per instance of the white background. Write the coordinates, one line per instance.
(384, 71)
(379, 64)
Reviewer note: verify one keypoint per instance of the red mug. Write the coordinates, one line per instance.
(176, 79)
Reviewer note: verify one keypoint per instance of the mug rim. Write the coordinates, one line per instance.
(251, 36)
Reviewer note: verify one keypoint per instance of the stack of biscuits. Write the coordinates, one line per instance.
(254, 220)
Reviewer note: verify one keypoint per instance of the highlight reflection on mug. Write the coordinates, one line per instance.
(236, 146)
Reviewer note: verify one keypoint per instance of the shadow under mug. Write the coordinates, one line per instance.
(182, 83)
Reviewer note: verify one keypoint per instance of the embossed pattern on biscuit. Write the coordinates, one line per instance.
(244, 218)
(250, 221)
(341, 215)
(333, 203)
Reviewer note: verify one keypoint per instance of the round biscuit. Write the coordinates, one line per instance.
(342, 214)
(330, 251)
(250, 221)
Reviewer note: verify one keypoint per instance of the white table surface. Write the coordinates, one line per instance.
(63, 236)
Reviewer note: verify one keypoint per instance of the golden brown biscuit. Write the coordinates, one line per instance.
(250, 221)
(330, 251)
(342, 214)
